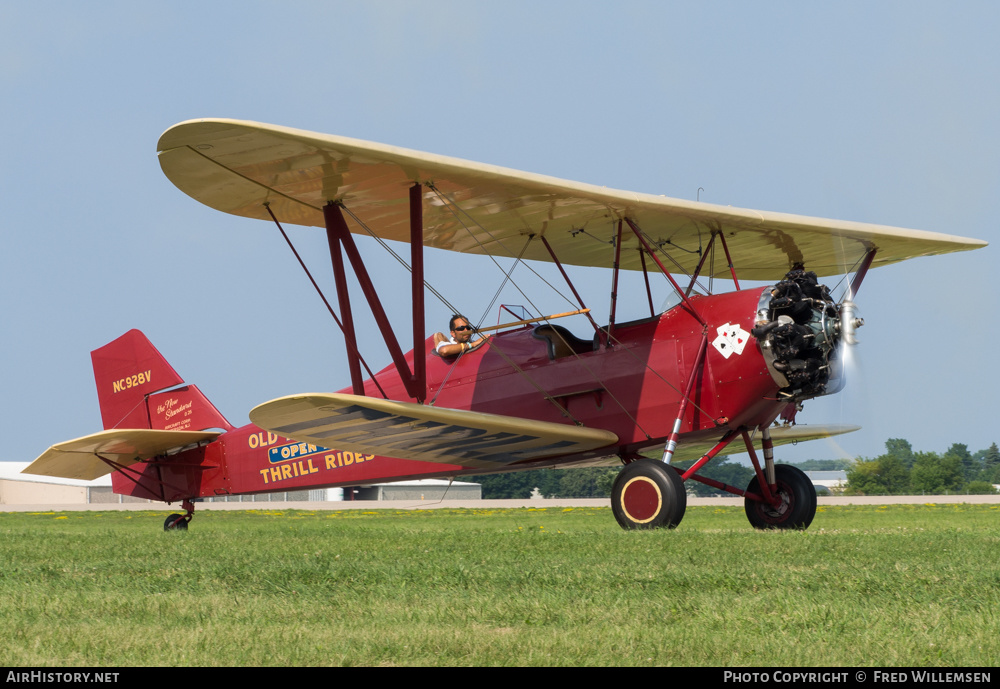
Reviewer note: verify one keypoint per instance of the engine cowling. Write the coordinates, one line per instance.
(801, 331)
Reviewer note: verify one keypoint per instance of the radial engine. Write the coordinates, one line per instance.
(802, 332)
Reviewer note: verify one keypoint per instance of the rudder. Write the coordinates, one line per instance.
(130, 374)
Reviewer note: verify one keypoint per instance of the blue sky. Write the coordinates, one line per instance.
(877, 112)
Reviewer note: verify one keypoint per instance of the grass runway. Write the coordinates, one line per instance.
(900, 585)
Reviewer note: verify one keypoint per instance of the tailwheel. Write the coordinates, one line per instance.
(179, 522)
(647, 495)
(176, 522)
(798, 501)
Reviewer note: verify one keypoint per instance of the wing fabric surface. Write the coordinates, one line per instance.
(780, 435)
(237, 166)
(81, 458)
(416, 431)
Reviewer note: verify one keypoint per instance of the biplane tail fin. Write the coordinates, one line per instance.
(132, 387)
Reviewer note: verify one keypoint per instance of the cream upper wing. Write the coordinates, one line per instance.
(237, 167)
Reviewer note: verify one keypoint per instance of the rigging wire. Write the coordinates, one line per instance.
(401, 261)
(563, 411)
(659, 247)
(852, 269)
(506, 279)
(455, 209)
(352, 346)
(452, 206)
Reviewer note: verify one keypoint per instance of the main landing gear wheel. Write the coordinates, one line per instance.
(176, 522)
(798, 501)
(647, 495)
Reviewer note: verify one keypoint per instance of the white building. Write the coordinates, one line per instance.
(28, 489)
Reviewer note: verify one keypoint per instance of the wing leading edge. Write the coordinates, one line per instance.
(780, 435)
(421, 432)
(237, 166)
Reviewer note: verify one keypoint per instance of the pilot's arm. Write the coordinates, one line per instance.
(445, 347)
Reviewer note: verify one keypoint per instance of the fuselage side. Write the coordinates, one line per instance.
(632, 388)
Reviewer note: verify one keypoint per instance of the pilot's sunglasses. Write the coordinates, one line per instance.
(462, 328)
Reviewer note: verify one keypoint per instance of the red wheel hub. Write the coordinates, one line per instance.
(641, 499)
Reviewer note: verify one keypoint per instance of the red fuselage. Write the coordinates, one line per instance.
(632, 388)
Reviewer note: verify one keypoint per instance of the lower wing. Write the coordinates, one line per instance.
(421, 432)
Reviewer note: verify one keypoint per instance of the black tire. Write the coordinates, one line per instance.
(648, 494)
(798, 501)
(175, 522)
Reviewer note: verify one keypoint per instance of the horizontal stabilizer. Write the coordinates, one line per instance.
(415, 431)
(81, 458)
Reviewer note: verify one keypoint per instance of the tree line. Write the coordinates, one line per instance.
(596, 482)
(899, 471)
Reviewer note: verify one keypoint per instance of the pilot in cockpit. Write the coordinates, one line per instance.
(460, 341)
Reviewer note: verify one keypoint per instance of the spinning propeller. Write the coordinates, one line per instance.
(849, 321)
(846, 362)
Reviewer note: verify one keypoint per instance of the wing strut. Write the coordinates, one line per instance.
(351, 343)
(606, 337)
(705, 254)
(334, 219)
(645, 276)
(729, 260)
(859, 276)
(569, 282)
(339, 235)
(419, 377)
(677, 288)
(668, 452)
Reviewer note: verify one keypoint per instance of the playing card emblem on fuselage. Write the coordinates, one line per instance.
(731, 339)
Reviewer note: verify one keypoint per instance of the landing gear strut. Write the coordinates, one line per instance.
(649, 494)
(798, 501)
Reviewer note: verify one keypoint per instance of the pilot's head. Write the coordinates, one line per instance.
(461, 331)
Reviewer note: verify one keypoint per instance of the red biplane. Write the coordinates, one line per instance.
(690, 379)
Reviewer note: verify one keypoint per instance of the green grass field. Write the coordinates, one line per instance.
(865, 586)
